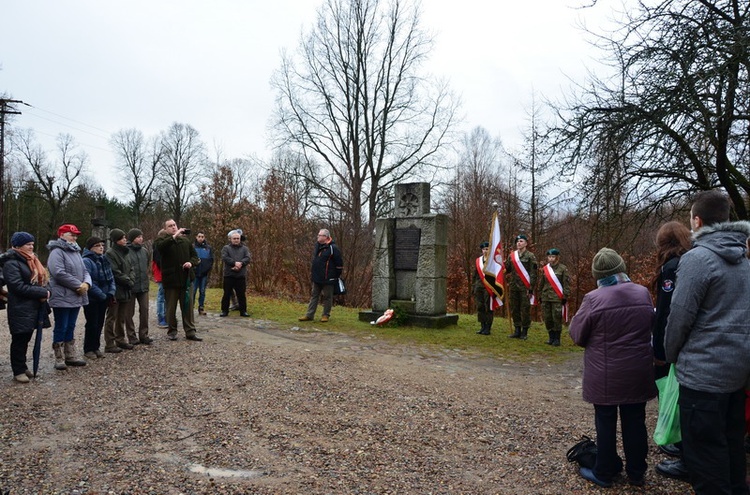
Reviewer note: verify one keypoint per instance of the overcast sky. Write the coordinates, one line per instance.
(92, 67)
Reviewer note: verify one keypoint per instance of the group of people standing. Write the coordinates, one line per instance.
(108, 284)
(523, 282)
(700, 326)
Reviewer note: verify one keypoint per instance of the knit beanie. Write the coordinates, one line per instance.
(21, 239)
(91, 241)
(133, 233)
(607, 262)
(115, 235)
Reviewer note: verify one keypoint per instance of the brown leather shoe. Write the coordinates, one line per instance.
(304, 318)
(323, 319)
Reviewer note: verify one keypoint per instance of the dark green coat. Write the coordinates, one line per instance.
(175, 252)
(122, 270)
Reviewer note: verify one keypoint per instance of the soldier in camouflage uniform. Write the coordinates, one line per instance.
(552, 303)
(520, 292)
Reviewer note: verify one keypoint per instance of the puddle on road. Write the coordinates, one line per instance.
(224, 473)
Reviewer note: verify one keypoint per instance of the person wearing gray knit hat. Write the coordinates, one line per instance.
(613, 324)
(115, 235)
(133, 234)
(606, 263)
(139, 258)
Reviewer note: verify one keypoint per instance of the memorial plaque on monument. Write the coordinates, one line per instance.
(406, 252)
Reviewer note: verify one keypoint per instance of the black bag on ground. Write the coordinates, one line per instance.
(584, 453)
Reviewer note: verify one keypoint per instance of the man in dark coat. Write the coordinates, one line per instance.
(327, 266)
(235, 257)
(114, 322)
(178, 259)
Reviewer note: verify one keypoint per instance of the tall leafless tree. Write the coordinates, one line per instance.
(183, 159)
(139, 162)
(55, 180)
(354, 99)
(679, 106)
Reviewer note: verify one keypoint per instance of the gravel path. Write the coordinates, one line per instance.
(260, 409)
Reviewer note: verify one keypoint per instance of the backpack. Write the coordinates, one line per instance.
(584, 453)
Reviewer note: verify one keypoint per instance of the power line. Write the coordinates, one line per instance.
(68, 118)
(68, 125)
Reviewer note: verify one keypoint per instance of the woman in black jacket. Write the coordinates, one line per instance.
(672, 241)
(26, 280)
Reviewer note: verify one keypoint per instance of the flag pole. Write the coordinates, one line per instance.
(496, 207)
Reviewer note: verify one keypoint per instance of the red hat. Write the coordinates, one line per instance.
(68, 227)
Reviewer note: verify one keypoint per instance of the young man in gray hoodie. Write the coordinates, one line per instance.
(708, 339)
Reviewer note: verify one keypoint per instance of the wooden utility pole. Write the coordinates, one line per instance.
(5, 109)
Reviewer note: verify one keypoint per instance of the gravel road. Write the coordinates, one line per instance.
(262, 409)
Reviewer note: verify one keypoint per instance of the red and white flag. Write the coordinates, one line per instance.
(493, 267)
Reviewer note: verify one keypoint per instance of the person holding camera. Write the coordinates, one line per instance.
(178, 261)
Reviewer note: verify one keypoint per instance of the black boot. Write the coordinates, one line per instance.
(556, 339)
(483, 331)
(524, 333)
(551, 338)
(516, 334)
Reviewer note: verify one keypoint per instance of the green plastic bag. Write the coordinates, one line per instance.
(668, 423)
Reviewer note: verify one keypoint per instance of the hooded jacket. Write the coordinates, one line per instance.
(708, 329)
(67, 273)
(614, 325)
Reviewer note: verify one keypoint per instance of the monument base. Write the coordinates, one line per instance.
(424, 321)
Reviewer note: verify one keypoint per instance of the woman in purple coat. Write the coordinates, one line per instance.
(614, 325)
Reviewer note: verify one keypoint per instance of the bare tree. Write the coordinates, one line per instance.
(183, 156)
(56, 180)
(481, 178)
(679, 107)
(139, 161)
(354, 98)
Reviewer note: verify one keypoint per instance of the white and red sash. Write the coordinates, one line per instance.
(522, 273)
(556, 285)
(520, 269)
(495, 301)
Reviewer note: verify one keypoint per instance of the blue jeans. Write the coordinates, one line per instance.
(65, 324)
(199, 285)
(161, 304)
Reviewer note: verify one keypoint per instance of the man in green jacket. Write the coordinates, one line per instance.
(178, 259)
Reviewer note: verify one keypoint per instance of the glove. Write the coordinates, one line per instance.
(83, 289)
(531, 292)
(564, 301)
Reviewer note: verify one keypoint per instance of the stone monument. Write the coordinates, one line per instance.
(410, 262)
